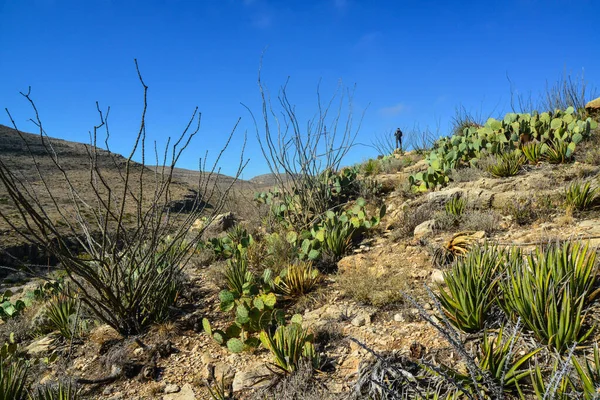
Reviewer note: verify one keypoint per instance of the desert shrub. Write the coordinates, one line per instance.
(371, 167)
(581, 196)
(289, 345)
(119, 218)
(445, 221)
(297, 279)
(506, 165)
(411, 218)
(279, 251)
(391, 165)
(549, 292)
(367, 287)
(480, 220)
(466, 174)
(471, 289)
(521, 210)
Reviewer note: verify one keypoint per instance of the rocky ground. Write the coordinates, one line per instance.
(180, 358)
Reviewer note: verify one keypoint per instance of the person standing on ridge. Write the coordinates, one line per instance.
(398, 136)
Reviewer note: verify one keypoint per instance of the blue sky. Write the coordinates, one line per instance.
(413, 62)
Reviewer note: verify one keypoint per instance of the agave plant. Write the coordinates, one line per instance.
(289, 344)
(549, 291)
(507, 164)
(471, 289)
(456, 206)
(533, 151)
(237, 274)
(558, 152)
(458, 245)
(297, 279)
(581, 196)
(62, 311)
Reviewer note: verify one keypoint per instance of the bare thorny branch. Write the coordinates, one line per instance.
(121, 247)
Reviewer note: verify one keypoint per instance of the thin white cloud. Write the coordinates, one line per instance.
(394, 110)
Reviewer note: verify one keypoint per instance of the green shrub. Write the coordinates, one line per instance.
(471, 289)
(371, 167)
(290, 344)
(507, 164)
(521, 210)
(581, 196)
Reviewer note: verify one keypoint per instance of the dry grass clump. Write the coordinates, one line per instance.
(480, 220)
(468, 174)
(367, 287)
(411, 218)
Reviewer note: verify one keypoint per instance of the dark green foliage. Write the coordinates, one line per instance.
(507, 164)
(581, 196)
(471, 289)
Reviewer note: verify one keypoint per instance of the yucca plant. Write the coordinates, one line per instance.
(496, 367)
(588, 373)
(533, 152)
(456, 206)
(558, 152)
(507, 164)
(59, 391)
(62, 311)
(497, 356)
(556, 387)
(289, 344)
(581, 196)
(13, 375)
(471, 289)
(549, 291)
(297, 279)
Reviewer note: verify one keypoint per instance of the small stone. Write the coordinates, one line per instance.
(398, 317)
(172, 388)
(427, 306)
(437, 276)
(359, 320)
(138, 351)
(186, 393)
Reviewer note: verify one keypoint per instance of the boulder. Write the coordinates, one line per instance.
(424, 229)
(593, 107)
(252, 378)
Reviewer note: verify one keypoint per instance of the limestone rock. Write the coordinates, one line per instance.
(424, 229)
(251, 379)
(172, 388)
(593, 107)
(186, 393)
(43, 345)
